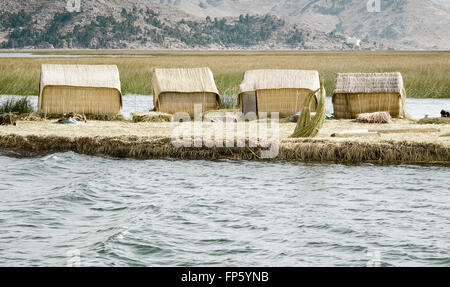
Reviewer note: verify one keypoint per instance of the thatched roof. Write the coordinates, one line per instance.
(96, 76)
(194, 80)
(356, 83)
(255, 80)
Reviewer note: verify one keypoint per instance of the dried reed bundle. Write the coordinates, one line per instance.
(233, 115)
(355, 133)
(377, 117)
(307, 127)
(155, 117)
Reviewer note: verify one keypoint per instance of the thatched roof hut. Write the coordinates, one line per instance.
(178, 90)
(357, 93)
(86, 89)
(282, 91)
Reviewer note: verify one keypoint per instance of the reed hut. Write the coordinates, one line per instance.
(84, 89)
(178, 90)
(282, 91)
(357, 93)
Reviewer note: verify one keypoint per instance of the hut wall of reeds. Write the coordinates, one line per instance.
(179, 90)
(86, 89)
(282, 91)
(358, 93)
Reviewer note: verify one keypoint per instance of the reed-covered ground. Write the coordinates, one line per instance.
(285, 128)
(426, 74)
(154, 140)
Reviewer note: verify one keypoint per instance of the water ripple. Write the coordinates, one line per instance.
(234, 213)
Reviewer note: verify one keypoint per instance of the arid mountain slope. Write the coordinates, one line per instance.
(140, 24)
(405, 24)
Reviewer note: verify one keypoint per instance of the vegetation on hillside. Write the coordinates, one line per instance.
(65, 30)
(247, 31)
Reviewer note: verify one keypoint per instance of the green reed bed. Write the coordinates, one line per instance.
(425, 73)
(21, 106)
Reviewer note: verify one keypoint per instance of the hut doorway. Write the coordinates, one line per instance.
(249, 103)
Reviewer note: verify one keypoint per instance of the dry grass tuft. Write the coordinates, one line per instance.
(438, 121)
(8, 119)
(155, 117)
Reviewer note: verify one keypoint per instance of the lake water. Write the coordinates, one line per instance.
(67, 208)
(416, 108)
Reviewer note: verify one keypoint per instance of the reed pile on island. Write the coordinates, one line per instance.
(307, 127)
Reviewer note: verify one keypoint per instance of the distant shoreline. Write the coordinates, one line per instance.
(174, 50)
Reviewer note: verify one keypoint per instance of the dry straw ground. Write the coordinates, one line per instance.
(153, 140)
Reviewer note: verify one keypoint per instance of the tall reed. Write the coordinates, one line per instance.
(425, 73)
(20, 106)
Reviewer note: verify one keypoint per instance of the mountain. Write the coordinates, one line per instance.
(140, 24)
(98, 24)
(403, 24)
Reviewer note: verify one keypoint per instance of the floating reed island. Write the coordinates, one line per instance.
(401, 141)
(95, 91)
